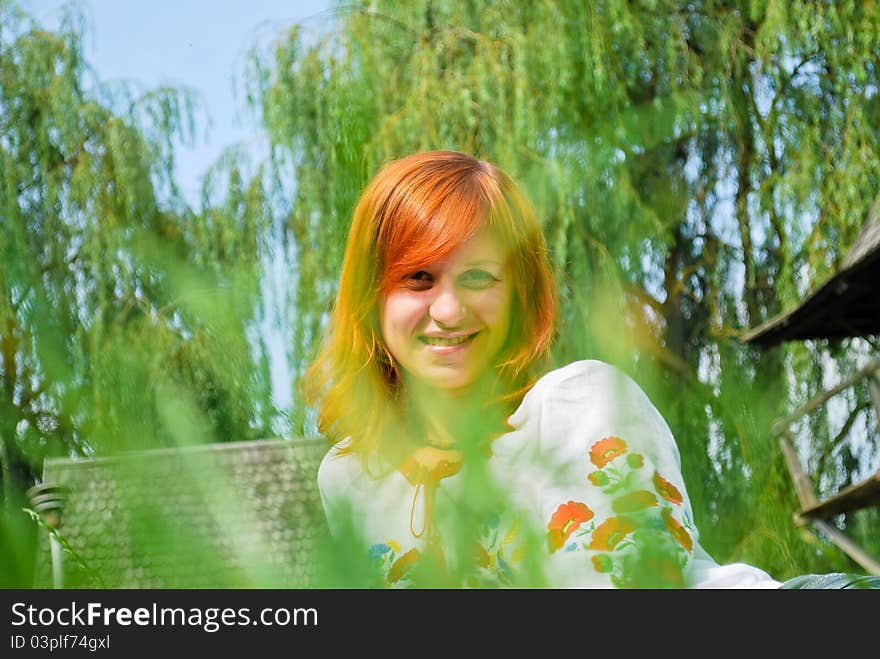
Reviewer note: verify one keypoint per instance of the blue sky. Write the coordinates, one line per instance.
(200, 44)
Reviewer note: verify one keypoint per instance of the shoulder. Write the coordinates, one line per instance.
(585, 402)
(344, 471)
(584, 371)
(580, 382)
(336, 468)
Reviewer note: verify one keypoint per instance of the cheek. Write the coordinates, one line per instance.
(495, 306)
(401, 313)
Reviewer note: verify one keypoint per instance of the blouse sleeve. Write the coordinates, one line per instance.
(598, 471)
(334, 478)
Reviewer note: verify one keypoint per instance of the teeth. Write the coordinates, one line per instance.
(436, 341)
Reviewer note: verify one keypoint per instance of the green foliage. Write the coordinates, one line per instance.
(125, 317)
(699, 166)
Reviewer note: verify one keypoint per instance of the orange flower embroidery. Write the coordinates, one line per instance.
(677, 530)
(666, 489)
(565, 521)
(633, 501)
(606, 449)
(402, 565)
(610, 532)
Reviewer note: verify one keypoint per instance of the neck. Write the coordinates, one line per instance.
(456, 418)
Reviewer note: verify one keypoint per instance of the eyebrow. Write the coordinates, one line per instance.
(483, 262)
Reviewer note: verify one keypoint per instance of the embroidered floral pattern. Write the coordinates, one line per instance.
(644, 541)
(635, 546)
(391, 564)
(606, 449)
(565, 521)
(635, 460)
(482, 556)
(610, 532)
(497, 552)
(638, 500)
(602, 563)
(402, 565)
(677, 530)
(612, 475)
(378, 551)
(666, 489)
(598, 478)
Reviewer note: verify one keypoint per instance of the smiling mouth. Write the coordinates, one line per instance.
(456, 341)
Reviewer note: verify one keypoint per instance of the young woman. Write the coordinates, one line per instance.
(457, 458)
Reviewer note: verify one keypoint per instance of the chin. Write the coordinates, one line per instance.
(451, 385)
(449, 382)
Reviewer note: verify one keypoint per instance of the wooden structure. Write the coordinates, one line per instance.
(238, 514)
(846, 305)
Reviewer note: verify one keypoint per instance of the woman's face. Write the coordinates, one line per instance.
(446, 323)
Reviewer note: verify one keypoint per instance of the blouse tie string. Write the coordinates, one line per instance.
(417, 471)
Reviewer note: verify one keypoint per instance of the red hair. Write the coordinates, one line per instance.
(417, 210)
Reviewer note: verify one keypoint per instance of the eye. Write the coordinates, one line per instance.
(420, 280)
(477, 279)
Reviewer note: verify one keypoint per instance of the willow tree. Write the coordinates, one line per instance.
(696, 164)
(124, 316)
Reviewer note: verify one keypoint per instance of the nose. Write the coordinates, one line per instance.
(447, 307)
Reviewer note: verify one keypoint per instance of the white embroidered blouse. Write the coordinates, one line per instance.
(590, 466)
